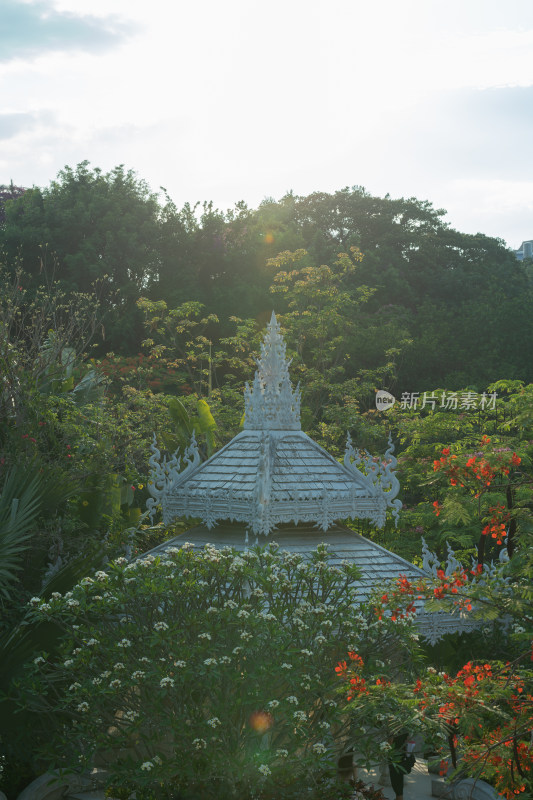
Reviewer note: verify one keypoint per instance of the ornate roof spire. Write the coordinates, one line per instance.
(271, 403)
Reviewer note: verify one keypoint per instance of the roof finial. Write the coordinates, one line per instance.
(272, 403)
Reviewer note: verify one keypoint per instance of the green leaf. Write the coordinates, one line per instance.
(455, 511)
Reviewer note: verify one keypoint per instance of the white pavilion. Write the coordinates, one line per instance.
(273, 482)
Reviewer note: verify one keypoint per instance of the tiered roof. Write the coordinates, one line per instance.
(272, 472)
(273, 479)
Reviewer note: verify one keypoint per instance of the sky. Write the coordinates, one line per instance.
(239, 100)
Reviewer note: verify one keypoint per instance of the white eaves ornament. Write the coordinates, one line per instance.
(273, 473)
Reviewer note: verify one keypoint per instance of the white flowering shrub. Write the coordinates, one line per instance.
(204, 673)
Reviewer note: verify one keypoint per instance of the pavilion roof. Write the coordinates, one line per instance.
(377, 565)
(272, 472)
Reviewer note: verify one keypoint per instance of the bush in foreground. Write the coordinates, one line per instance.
(202, 673)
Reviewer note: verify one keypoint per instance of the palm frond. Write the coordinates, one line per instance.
(20, 503)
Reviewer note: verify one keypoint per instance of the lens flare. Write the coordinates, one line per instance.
(261, 721)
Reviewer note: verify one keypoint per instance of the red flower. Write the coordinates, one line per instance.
(515, 459)
(445, 451)
(436, 507)
(354, 657)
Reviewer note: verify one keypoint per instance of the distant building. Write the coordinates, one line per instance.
(525, 250)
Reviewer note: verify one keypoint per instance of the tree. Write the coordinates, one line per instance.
(326, 322)
(8, 193)
(91, 227)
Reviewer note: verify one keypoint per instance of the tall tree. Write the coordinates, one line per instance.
(91, 227)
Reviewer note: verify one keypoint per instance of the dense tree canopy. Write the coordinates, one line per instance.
(461, 300)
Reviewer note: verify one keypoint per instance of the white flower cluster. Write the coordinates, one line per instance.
(214, 722)
(131, 716)
(273, 704)
(138, 675)
(264, 770)
(166, 682)
(282, 753)
(161, 626)
(319, 748)
(124, 643)
(292, 699)
(301, 716)
(200, 744)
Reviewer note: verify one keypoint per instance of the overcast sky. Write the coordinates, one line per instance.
(240, 100)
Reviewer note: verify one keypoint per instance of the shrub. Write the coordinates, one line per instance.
(209, 672)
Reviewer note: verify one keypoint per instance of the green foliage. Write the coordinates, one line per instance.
(207, 672)
(372, 293)
(429, 295)
(202, 425)
(19, 508)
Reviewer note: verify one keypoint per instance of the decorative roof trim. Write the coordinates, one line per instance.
(271, 403)
(166, 475)
(367, 496)
(378, 473)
